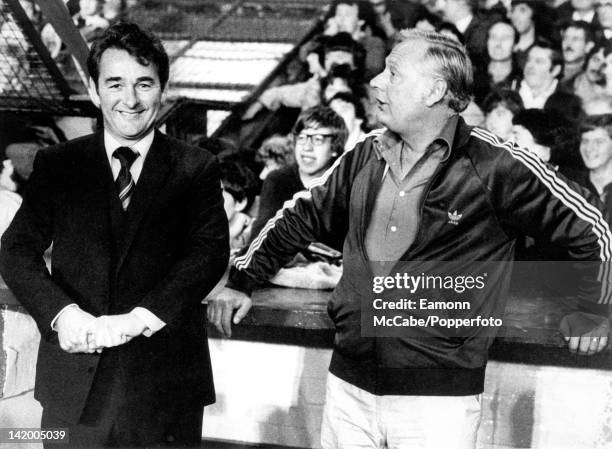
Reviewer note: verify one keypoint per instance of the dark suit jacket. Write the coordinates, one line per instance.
(565, 11)
(165, 253)
(475, 37)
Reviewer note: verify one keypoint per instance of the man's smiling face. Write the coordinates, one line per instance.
(128, 94)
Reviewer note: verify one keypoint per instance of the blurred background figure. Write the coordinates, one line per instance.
(543, 67)
(596, 152)
(499, 108)
(347, 106)
(275, 152)
(239, 189)
(577, 39)
(551, 137)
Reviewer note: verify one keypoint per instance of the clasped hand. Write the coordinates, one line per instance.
(79, 331)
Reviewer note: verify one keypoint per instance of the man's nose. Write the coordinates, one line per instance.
(375, 82)
(130, 97)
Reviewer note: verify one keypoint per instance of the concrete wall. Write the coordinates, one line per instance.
(274, 394)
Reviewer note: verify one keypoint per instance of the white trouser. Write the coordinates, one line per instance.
(354, 418)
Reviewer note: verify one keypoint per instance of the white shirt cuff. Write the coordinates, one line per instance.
(152, 322)
(60, 312)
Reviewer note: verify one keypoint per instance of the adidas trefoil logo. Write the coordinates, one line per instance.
(454, 217)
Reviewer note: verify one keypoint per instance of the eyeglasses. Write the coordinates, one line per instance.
(603, 3)
(317, 140)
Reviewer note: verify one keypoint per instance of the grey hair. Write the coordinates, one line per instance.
(451, 62)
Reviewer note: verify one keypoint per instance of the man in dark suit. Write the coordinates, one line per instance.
(139, 237)
(577, 10)
(470, 23)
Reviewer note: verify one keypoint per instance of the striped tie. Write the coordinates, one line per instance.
(124, 182)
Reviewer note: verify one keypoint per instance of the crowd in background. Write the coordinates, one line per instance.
(542, 78)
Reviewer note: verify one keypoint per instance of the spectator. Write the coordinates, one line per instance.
(567, 105)
(239, 189)
(501, 71)
(604, 17)
(351, 110)
(596, 152)
(551, 137)
(341, 78)
(578, 10)
(319, 138)
(532, 20)
(113, 10)
(577, 38)
(499, 108)
(275, 152)
(89, 19)
(590, 83)
(357, 18)
(540, 76)
(400, 13)
(473, 26)
(337, 50)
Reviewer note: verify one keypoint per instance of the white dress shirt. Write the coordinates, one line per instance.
(586, 17)
(536, 101)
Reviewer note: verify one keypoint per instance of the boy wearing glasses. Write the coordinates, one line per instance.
(319, 136)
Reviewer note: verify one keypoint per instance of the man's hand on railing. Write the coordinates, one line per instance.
(222, 306)
(585, 333)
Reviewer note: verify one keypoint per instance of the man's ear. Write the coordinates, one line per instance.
(436, 93)
(92, 90)
(556, 70)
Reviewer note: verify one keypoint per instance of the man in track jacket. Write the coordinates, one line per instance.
(426, 188)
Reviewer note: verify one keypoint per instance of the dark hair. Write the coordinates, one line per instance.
(586, 27)
(592, 122)
(141, 44)
(543, 18)
(277, 148)
(344, 71)
(551, 129)
(239, 181)
(344, 42)
(566, 104)
(352, 99)
(505, 97)
(365, 12)
(325, 117)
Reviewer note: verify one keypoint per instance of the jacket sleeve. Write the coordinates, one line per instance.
(205, 253)
(537, 201)
(320, 213)
(23, 245)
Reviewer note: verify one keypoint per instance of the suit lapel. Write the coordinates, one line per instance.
(152, 178)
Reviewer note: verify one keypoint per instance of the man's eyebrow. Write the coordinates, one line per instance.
(145, 78)
(113, 79)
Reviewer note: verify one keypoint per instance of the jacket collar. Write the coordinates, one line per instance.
(455, 133)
